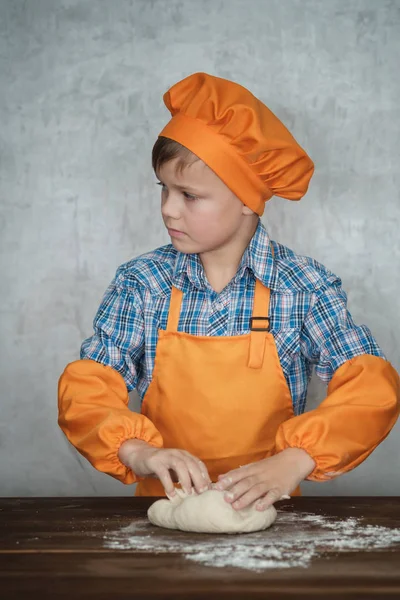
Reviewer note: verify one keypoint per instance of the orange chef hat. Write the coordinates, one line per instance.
(239, 138)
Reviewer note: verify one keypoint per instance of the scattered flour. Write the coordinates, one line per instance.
(293, 541)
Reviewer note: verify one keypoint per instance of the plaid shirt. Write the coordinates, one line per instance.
(309, 318)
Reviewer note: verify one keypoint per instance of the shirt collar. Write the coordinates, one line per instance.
(191, 265)
(257, 258)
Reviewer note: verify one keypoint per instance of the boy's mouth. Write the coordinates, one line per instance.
(175, 232)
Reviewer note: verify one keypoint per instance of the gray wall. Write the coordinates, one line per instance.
(80, 107)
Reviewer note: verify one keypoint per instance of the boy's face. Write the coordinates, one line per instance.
(197, 203)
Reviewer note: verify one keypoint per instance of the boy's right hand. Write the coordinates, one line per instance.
(147, 461)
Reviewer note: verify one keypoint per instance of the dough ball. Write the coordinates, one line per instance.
(208, 513)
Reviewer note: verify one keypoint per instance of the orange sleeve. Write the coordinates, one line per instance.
(360, 409)
(94, 415)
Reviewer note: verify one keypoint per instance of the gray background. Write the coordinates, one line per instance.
(80, 107)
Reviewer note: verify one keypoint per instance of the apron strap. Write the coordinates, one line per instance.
(174, 309)
(259, 325)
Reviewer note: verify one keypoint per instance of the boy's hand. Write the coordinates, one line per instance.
(266, 480)
(147, 461)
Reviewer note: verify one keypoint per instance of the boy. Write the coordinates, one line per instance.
(220, 330)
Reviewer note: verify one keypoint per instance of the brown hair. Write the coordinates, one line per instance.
(166, 149)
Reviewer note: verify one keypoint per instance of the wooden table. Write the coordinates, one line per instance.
(104, 548)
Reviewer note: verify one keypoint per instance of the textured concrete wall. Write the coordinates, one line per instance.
(80, 106)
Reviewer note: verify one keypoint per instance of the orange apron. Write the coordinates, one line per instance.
(221, 398)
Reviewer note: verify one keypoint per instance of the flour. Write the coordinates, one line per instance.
(293, 541)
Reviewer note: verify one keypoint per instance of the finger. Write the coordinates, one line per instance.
(203, 469)
(241, 467)
(253, 494)
(165, 477)
(230, 479)
(234, 493)
(225, 483)
(181, 469)
(248, 495)
(204, 472)
(269, 499)
(199, 482)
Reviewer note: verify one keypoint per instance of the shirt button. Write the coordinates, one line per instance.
(219, 306)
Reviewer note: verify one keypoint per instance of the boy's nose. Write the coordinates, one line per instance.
(171, 207)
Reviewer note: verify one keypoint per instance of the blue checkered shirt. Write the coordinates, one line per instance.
(308, 308)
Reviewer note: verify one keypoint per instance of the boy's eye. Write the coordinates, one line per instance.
(189, 196)
(186, 194)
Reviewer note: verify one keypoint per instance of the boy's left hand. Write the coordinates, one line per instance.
(267, 480)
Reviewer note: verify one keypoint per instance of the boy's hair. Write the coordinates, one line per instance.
(166, 149)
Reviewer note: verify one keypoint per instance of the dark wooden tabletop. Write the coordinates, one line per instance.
(105, 548)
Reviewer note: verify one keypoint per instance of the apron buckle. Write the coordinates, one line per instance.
(252, 328)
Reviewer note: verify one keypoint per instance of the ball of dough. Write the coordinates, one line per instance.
(208, 513)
